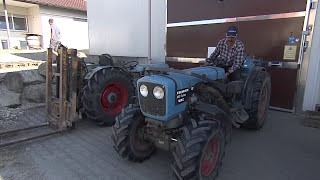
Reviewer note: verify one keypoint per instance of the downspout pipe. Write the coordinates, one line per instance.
(7, 22)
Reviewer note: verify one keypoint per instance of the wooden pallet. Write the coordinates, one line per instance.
(61, 108)
(312, 119)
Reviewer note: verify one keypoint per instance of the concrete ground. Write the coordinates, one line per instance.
(282, 150)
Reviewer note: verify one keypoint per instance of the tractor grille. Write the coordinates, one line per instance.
(151, 104)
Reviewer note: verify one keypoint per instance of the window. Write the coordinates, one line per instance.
(16, 23)
(20, 23)
(3, 24)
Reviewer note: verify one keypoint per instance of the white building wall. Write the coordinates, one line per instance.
(120, 28)
(72, 24)
(312, 90)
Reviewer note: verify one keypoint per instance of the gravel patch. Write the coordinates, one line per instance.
(10, 118)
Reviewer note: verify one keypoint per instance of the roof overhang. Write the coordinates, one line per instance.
(50, 4)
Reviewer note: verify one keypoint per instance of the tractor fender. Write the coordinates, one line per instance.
(248, 86)
(97, 69)
(215, 111)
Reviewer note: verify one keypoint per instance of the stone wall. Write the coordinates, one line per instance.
(22, 86)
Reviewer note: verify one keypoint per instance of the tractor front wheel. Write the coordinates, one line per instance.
(106, 94)
(127, 136)
(259, 101)
(200, 150)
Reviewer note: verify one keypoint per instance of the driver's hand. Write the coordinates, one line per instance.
(227, 74)
(205, 64)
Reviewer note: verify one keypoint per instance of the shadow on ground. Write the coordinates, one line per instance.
(282, 150)
(33, 56)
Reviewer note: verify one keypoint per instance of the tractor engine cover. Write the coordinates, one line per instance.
(175, 90)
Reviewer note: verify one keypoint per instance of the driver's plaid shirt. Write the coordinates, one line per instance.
(231, 57)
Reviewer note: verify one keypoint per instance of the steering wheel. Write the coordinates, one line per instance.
(129, 65)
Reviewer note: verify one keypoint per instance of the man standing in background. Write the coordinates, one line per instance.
(55, 37)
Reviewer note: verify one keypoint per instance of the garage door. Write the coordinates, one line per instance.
(265, 28)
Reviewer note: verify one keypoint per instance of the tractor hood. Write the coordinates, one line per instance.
(177, 87)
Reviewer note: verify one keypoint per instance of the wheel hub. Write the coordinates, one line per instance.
(210, 157)
(113, 98)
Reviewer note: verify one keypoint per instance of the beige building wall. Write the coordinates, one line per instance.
(31, 13)
(34, 20)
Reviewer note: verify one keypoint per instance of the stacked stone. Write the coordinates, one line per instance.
(26, 85)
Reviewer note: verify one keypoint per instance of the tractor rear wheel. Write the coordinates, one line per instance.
(259, 101)
(128, 133)
(200, 150)
(106, 94)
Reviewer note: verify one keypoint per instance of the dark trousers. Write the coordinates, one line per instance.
(235, 76)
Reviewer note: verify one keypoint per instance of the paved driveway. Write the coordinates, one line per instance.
(282, 150)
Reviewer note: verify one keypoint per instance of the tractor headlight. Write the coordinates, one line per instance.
(144, 90)
(158, 92)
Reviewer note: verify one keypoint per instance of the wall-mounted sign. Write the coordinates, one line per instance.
(290, 52)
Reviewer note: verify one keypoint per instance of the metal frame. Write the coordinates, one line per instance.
(239, 19)
(304, 58)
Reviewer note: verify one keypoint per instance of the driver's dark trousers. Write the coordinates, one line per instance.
(235, 76)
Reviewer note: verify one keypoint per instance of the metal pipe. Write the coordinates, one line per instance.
(149, 31)
(23, 129)
(27, 139)
(7, 22)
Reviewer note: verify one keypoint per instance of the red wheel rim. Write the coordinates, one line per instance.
(113, 98)
(210, 156)
(262, 102)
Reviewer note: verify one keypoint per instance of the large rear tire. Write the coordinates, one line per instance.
(200, 150)
(128, 133)
(259, 101)
(106, 94)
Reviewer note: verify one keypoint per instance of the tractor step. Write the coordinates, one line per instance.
(241, 115)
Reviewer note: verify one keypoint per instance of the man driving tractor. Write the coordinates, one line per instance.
(230, 53)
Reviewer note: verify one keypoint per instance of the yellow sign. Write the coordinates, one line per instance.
(290, 52)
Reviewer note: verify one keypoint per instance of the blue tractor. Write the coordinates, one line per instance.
(191, 113)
